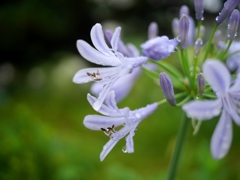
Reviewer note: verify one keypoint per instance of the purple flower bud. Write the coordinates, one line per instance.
(175, 27)
(233, 25)
(159, 48)
(228, 7)
(167, 88)
(200, 83)
(184, 10)
(152, 30)
(217, 37)
(198, 46)
(198, 4)
(183, 30)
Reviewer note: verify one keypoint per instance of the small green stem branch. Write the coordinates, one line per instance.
(226, 50)
(182, 134)
(210, 42)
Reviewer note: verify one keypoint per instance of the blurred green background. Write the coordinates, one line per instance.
(41, 111)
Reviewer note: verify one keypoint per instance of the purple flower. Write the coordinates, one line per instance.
(159, 48)
(118, 64)
(183, 31)
(227, 103)
(152, 30)
(114, 117)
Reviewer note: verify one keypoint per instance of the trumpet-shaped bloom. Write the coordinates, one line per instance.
(114, 117)
(228, 102)
(103, 55)
(124, 84)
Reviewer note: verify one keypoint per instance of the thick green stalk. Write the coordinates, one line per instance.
(182, 134)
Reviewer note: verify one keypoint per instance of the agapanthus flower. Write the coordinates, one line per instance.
(227, 104)
(119, 65)
(114, 117)
(125, 83)
(159, 48)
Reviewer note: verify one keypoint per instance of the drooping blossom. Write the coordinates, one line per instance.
(119, 65)
(227, 104)
(113, 117)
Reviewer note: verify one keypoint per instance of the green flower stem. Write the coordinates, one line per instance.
(210, 42)
(185, 65)
(199, 29)
(182, 134)
(233, 53)
(226, 50)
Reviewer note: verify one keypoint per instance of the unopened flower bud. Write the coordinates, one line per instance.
(184, 10)
(167, 88)
(175, 27)
(152, 30)
(198, 46)
(183, 30)
(159, 48)
(200, 84)
(217, 37)
(198, 4)
(228, 7)
(233, 25)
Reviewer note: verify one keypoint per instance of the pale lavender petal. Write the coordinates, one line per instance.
(105, 110)
(231, 108)
(203, 110)
(98, 40)
(107, 148)
(115, 38)
(96, 122)
(142, 113)
(110, 100)
(94, 56)
(82, 75)
(222, 136)
(121, 87)
(217, 76)
(103, 95)
(133, 51)
(137, 61)
(130, 143)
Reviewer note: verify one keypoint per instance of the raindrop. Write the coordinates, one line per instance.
(124, 149)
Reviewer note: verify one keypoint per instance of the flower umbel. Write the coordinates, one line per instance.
(114, 117)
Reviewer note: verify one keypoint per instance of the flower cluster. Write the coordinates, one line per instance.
(208, 84)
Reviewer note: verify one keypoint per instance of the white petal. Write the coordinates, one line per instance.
(103, 95)
(107, 148)
(222, 136)
(105, 73)
(115, 38)
(96, 122)
(130, 142)
(217, 76)
(110, 100)
(203, 110)
(98, 40)
(105, 110)
(94, 56)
